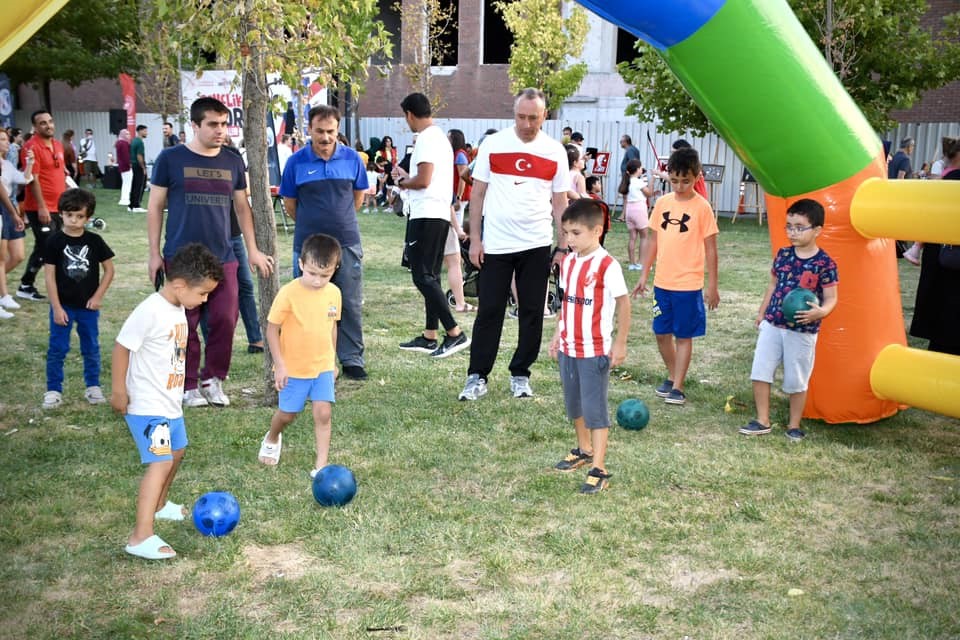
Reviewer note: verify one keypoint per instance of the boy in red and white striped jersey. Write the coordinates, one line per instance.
(594, 291)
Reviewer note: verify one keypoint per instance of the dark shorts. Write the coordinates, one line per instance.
(585, 383)
(9, 231)
(679, 313)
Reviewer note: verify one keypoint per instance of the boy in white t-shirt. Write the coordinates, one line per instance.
(584, 345)
(149, 360)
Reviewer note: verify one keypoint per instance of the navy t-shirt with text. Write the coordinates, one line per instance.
(199, 195)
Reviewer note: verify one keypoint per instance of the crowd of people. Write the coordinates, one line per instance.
(530, 212)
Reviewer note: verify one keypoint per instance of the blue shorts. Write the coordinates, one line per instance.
(9, 231)
(679, 313)
(156, 437)
(298, 390)
(585, 383)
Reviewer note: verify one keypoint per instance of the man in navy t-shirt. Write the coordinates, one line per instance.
(322, 187)
(197, 183)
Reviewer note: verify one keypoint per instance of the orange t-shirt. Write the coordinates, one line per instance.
(306, 318)
(681, 228)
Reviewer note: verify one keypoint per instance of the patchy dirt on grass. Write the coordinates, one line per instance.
(682, 576)
(285, 561)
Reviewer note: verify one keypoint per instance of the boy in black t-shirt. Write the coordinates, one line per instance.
(71, 267)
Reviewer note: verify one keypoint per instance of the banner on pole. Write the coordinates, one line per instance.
(129, 89)
(6, 102)
(222, 85)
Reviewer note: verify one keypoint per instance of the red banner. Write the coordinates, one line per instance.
(129, 89)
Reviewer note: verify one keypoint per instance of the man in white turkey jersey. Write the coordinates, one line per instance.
(519, 192)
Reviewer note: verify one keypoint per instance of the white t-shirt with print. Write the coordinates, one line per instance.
(521, 179)
(433, 202)
(156, 335)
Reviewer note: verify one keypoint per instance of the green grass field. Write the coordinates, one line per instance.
(460, 528)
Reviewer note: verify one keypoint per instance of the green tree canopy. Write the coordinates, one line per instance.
(543, 43)
(84, 41)
(878, 49)
(331, 40)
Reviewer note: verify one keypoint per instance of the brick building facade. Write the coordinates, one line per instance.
(473, 89)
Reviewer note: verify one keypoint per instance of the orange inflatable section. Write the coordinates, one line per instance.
(868, 316)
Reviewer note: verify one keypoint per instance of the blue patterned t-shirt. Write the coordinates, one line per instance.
(814, 273)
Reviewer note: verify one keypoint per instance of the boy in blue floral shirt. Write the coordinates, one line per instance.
(804, 265)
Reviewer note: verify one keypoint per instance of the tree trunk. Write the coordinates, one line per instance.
(255, 102)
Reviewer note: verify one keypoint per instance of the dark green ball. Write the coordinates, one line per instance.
(633, 414)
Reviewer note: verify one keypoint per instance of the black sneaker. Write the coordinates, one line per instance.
(574, 460)
(795, 435)
(420, 343)
(596, 481)
(664, 389)
(451, 345)
(29, 292)
(675, 397)
(354, 372)
(754, 428)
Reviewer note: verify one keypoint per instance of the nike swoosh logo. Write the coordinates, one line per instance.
(310, 173)
(519, 182)
(413, 242)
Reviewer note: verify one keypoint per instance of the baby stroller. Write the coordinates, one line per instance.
(471, 275)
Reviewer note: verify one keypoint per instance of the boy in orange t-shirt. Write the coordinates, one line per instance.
(683, 242)
(302, 334)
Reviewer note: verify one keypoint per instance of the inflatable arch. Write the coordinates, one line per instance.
(801, 135)
(796, 128)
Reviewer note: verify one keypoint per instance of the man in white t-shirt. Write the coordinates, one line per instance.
(428, 189)
(520, 183)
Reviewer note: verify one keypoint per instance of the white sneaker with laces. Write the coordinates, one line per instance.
(7, 302)
(212, 390)
(193, 398)
(4, 314)
(475, 388)
(52, 399)
(520, 387)
(94, 395)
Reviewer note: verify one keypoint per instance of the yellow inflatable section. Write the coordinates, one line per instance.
(913, 210)
(20, 19)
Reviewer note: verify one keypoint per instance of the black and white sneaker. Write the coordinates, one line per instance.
(452, 345)
(420, 343)
(29, 292)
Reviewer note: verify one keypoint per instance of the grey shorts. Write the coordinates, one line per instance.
(585, 382)
(796, 350)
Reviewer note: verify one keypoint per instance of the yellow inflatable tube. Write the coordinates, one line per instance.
(20, 19)
(921, 210)
(926, 379)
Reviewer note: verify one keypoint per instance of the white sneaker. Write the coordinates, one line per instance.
(212, 390)
(138, 210)
(4, 314)
(193, 398)
(94, 395)
(52, 399)
(476, 387)
(7, 302)
(520, 387)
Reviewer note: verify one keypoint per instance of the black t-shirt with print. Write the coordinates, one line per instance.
(77, 261)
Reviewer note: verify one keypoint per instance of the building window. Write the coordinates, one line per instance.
(625, 49)
(446, 27)
(497, 39)
(390, 17)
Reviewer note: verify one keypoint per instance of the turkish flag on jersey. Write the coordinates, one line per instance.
(523, 165)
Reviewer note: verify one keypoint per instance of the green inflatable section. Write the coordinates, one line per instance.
(806, 133)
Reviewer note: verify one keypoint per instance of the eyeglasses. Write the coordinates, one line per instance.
(797, 229)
